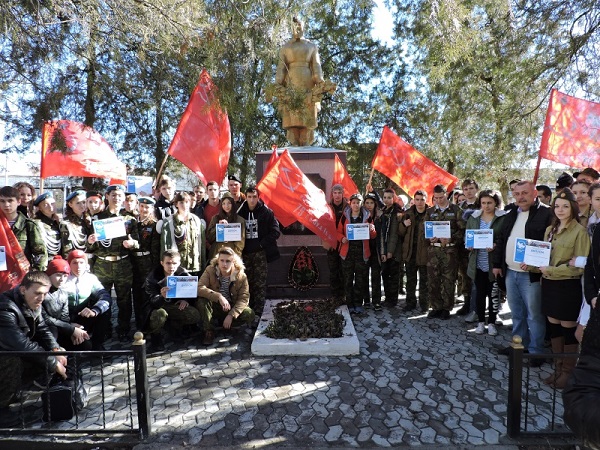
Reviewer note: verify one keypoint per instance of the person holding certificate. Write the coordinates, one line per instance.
(184, 232)
(480, 270)
(354, 232)
(233, 237)
(74, 228)
(561, 282)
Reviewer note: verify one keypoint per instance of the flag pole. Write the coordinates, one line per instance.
(371, 177)
(162, 166)
(537, 169)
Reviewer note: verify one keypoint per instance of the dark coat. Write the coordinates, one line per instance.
(540, 216)
(155, 281)
(591, 277)
(268, 230)
(407, 234)
(21, 331)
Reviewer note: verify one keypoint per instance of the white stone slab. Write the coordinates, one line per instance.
(263, 345)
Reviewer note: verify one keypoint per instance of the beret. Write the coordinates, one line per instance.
(74, 194)
(40, 198)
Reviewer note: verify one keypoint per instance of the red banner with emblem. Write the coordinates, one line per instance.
(202, 141)
(17, 264)
(341, 176)
(282, 216)
(78, 151)
(572, 131)
(286, 187)
(407, 167)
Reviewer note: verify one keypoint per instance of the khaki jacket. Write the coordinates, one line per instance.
(407, 234)
(209, 286)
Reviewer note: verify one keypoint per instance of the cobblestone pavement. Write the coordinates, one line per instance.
(416, 381)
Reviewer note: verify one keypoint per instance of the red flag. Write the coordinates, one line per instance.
(16, 262)
(282, 217)
(572, 131)
(287, 188)
(86, 153)
(202, 141)
(408, 168)
(341, 176)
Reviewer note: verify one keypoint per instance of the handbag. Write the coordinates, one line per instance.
(63, 398)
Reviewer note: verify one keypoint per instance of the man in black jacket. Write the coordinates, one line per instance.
(262, 232)
(529, 219)
(22, 329)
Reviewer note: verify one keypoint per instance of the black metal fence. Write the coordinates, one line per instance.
(110, 379)
(534, 409)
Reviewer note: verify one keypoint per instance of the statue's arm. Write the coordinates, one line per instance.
(281, 74)
(315, 66)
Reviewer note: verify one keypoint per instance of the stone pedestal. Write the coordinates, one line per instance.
(317, 163)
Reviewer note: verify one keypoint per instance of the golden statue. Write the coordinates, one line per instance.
(300, 86)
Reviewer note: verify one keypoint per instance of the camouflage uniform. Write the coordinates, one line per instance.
(74, 232)
(442, 266)
(256, 271)
(30, 238)
(113, 266)
(211, 310)
(50, 231)
(144, 260)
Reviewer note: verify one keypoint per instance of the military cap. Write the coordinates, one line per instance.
(565, 180)
(567, 194)
(130, 193)
(372, 196)
(146, 201)
(91, 194)
(356, 196)
(40, 198)
(589, 171)
(74, 194)
(234, 178)
(115, 187)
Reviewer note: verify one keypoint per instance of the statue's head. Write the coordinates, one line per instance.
(297, 28)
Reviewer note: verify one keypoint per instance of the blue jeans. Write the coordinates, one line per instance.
(525, 301)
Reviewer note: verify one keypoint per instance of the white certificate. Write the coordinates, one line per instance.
(533, 253)
(182, 287)
(357, 231)
(3, 265)
(437, 229)
(229, 232)
(479, 239)
(110, 228)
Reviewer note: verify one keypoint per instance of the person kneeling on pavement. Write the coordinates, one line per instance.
(22, 329)
(89, 302)
(224, 294)
(158, 307)
(56, 309)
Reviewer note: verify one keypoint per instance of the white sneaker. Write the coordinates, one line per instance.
(492, 331)
(499, 322)
(480, 328)
(471, 317)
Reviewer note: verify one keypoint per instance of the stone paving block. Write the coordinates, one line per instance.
(334, 433)
(380, 441)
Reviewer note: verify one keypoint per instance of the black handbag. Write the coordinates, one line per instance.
(57, 403)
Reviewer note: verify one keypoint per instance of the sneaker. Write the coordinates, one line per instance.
(463, 311)
(377, 307)
(480, 328)
(359, 310)
(471, 317)
(499, 323)
(492, 331)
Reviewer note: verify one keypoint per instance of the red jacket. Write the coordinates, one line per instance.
(341, 230)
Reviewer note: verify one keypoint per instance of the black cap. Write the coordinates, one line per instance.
(356, 197)
(91, 194)
(565, 180)
(234, 178)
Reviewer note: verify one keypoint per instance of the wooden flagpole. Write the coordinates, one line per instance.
(162, 166)
(537, 169)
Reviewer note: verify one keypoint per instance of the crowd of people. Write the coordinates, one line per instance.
(64, 302)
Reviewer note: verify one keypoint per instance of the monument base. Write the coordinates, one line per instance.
(263, 345)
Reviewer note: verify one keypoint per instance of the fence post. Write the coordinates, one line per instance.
(515, 384)
(141, 384)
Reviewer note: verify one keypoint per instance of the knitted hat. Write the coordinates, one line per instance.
(76, 254)
(58, 265)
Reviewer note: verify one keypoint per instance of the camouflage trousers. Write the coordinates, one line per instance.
(411, 285)
(374, 267)
(442, 268)
(142, 265)
(355, 276)
(13, 370)
(336, 275)
(120, 275)
(256, 271)
(209, 311)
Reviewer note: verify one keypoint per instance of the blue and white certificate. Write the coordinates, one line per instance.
(229, 232)
(3, 265)
(357, 231)
(110, 228)
(479, 239)
(437, 229)
(533, 253)
(182, 287)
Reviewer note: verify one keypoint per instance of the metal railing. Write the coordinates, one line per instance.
(524, 418)
(110, 407)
